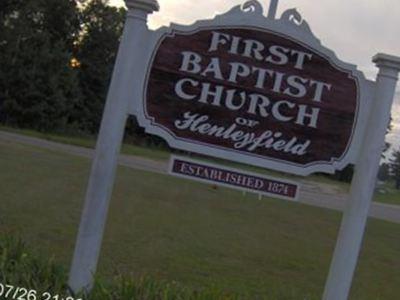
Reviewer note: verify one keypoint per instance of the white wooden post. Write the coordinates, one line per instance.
(104, 165)
(355, 216)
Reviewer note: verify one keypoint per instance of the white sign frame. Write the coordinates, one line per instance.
(292, 26)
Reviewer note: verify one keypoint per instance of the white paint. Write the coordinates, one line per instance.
(362, 189)
(102, 176)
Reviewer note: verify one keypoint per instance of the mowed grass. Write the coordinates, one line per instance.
(90, 142)
(160, 154)
(390, 195)
(182, 231)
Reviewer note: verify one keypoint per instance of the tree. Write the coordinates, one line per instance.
(387, 145)
(96, 54)
(37, 84)
(384, 172)
(395, 168)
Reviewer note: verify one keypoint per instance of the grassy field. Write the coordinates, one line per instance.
(90, 142)
(189, 232)
(163, 154)
(390, 194)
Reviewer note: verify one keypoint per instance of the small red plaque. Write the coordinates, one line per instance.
(233, 178)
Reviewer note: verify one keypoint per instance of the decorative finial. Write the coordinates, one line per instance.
(293, 17)
(149, 6)
(253, 6)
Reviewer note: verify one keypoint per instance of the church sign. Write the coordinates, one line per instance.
(253, 95)
(253, 90)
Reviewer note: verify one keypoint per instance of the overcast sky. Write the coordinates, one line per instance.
(355, 29)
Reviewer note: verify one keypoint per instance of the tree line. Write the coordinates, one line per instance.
(390, 170)
(56, 62)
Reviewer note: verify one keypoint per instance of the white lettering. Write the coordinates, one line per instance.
(179, 88)
(238, 69)
(277, 113)
(191, 62)
(214, 68)
(319, 89)
(313, 116)
(218, 39)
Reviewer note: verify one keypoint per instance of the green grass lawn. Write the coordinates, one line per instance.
(391, 197)
(187, 232)
(163, 154)
(390, 194)
(90, 142)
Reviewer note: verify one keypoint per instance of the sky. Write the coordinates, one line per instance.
(355, 30)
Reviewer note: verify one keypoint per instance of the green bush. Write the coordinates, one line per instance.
(21, 267)
(147, 288)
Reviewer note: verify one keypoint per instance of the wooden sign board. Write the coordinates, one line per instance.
(269, 96)
(233, 178)
(252, 93)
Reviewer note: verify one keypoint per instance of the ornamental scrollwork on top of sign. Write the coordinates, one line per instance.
(293, 17)
(253, 10)
(251, 14)
(253, 6)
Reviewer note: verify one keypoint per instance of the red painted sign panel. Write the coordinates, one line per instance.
(234, 178)
(251, 93)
